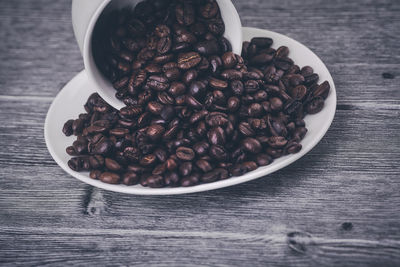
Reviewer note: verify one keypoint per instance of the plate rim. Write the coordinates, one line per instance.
(256, 174)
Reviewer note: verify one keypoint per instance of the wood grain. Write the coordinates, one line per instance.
(292, 217)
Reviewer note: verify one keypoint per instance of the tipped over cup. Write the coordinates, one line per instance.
(86, 14)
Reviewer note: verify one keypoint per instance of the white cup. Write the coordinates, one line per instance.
(85, 14)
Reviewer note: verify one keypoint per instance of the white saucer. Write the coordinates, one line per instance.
(69, 104)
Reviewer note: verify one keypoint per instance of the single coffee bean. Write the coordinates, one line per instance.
(155, 132)
(130, 178)
(207, 48)
(190, 180)
(216, 136)
(110, 178)
(185, 168)
(67, 129)
(315, 106)
(204, 165)
(188, 60)
(262, 42)
(185, 153)
(112, 165)
(263, 159)
(251, 145)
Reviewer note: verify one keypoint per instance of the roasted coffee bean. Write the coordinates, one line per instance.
(201, 148)
(262, 42)
(231, 74)
(188, 60)
(95, 174)
(216, 136)
(215, 175)
(162, 30)
(110, 178)
(209, 10)
(204, 165)
(282, 52)
(155, 132)
(216, 64)
(185, 153)
(207, 48)
(164, 45)
(185, 168)
(96, 162)
(218, 152)
(243, 168)
(261, 59)
(112, 165)
(237, 87)
(315, 106)
(185, 13)
(189, 76)
(158, 82)
(293, 148)
(263, 159)
(190, 180)
(322, 90)
(130, 178)
(218, 84)
(276, 104)
(155, 181)
(298, 92)
(171, 179)
(71, 151)
(148, 160)
(233, 104)
(229, 60)
(277, 141)
(172, 74)
(177, 89)
(251, 145)
(67, 129)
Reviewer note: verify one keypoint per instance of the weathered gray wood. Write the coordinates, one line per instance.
(50, 218)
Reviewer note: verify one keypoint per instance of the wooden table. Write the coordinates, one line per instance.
(339, 205)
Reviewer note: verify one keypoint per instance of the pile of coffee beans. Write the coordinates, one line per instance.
(160, 45)
(195, 112)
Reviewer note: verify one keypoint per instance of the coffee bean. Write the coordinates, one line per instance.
(207, 48)
(155, 132)
(315, 106)
(251, 145)
(218, 84)
(322, 90)
(67, 129)
(263, 159)
(164, 45)
(112, 165)
(155, 181)
(130, 178)
(185, 153)
(262, 42)
(204, 165)
(231, 74)
(216, 136)
(158, 82)
(185, 168)
(215, 175)
(110, 178)
(218, 152)
(190, 180)
(201, 148)
(188, 60)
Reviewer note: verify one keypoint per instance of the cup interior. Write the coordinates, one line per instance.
(233, 32)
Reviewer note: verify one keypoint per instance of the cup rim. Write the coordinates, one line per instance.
(88, 59)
